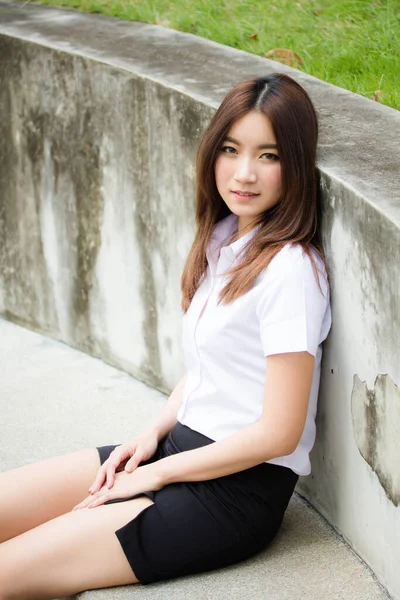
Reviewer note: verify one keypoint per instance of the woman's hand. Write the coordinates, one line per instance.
(127, 456)
(143, 479)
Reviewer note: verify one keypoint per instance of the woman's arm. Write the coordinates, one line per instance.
(132, 453)
(277, 433)
(167, 417)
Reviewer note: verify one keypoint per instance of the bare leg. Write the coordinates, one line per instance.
(36, 493)
(74, 552)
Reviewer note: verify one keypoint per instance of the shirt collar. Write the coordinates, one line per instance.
(223, 230)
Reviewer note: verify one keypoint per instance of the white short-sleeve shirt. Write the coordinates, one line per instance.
(225, 345)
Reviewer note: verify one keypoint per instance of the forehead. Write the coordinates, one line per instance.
(253, 128)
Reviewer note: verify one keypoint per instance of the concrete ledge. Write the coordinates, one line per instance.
(76, 401)
(206, 71)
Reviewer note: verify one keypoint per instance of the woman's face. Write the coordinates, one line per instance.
(248, 161)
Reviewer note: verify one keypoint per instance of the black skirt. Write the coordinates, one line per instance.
(204, 525)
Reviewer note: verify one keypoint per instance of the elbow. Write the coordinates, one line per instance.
(290, 447)
(289, 443)
(284, 448)
(279, 444)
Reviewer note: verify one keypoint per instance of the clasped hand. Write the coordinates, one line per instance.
(143, 479)
(121, 477)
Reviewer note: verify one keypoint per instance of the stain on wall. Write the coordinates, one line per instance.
(376, 424)
(68, 117)
(373, 262)
(166, 127)
(22, 273)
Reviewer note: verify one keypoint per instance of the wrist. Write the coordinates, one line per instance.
(163, 471)
(157, 475)
(153, 431)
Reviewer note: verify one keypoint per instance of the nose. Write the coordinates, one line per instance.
(245, 171)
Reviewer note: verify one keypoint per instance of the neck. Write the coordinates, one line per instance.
(243, 225)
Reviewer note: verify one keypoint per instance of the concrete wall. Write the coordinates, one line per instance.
(99, 125)
(97, 206)
(356, 459)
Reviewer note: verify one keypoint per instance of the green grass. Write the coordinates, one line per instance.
(354, 44)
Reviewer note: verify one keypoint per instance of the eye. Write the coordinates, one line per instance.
(226, 148)
(271, 156)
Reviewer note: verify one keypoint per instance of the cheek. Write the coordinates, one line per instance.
(222, 170)
(273, 178)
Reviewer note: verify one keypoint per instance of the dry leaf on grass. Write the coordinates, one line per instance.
(253, 36)
(377, 96)
(162, 22)
(285, 56)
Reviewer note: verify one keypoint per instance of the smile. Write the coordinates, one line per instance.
(244, 195)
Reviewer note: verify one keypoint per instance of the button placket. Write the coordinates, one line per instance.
(199, 302)
(208, 315)
(225, 260)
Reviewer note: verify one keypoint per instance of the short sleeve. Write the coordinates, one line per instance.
(291, 307)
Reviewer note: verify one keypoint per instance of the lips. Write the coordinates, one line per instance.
(242, 194)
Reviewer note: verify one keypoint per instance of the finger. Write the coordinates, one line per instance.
(133, 462)
(110, 478)
(105, 497)
(101, 499)
(112, 465)
(115, 460)
(85, 502)
(91, 498)
(99, 480)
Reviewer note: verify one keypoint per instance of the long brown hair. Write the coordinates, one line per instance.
(295, 218)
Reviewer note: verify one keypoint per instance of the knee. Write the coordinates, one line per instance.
(7, 583)
(4, 594)
(7, 593)
(11, 590)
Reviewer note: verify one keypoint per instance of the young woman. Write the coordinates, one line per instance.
(208, 484)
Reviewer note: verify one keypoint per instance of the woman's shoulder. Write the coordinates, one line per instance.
(293, 262)
(292, 256)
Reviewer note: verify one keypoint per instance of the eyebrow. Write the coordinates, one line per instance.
(260, 147)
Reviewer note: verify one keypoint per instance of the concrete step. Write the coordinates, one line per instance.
(54, 399)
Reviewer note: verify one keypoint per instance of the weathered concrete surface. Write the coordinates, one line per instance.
(96, 217)
(376, 423)
(356, 489)
(76, 401)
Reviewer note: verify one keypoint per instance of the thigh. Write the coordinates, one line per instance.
(74, 552)
(38, 492)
